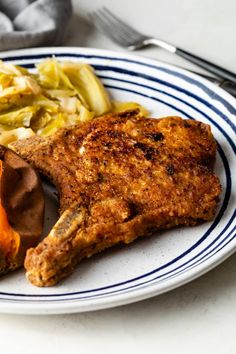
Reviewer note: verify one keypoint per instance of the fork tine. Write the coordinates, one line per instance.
(122, 25)
(116, 29)
(114, 26)
(105, 27)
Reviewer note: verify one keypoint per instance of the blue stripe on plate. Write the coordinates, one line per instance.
(165, 83)
(225, 162)
(115, 59)
(215, 223)
(114, 292)
(180, 100)
(179, 110)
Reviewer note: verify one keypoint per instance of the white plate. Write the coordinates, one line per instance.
(155, 265)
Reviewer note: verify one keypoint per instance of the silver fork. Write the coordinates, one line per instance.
(126, 36)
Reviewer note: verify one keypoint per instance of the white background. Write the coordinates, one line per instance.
(199, 317)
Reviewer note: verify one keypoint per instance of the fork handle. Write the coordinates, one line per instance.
(213, 68)
(207, 65)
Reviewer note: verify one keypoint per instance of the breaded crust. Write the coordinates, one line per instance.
(119, 177)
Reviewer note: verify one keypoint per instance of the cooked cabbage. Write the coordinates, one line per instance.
(124, 106)
(20, 117)
(58, 95)
(88, 85)
(8, 137)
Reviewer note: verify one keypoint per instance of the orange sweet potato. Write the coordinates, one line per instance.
(21, 209)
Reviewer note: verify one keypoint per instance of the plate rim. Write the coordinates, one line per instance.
(33, 307)
(119, 54)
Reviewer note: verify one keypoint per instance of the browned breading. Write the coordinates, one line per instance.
(120, 177)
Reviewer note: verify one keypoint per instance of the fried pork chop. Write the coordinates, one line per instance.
(119, 177)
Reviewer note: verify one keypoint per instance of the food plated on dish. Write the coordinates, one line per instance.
(21, 210)
(58, 94)
(170, 249)
(120, 177)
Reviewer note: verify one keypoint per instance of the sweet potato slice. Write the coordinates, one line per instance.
(21, 209)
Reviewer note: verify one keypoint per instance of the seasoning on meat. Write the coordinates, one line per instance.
(116, 184)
